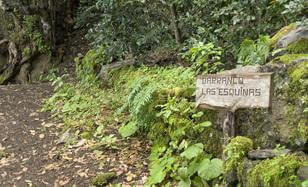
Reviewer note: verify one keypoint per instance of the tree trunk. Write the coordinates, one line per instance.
(174, 22)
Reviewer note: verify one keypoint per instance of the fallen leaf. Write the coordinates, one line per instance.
(129, 177)
(34, 114)
(82, 173)
(63, 181)
(48, 125)
(51, 167)
(4, 174)
(32, 132)
(42, 136)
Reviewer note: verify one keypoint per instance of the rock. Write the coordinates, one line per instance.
(103, 178)
(246, 167)
(231, 178)
(302, 173)
(65, 137)
(266, 153)
(261, 154)
(283, 123)
(24, 73)
(293, 36)
(40, 65)
(103, 74)
(20, 50)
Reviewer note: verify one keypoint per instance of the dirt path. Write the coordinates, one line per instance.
(28, 151)
(31, 156)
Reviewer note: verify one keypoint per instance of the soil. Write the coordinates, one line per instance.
(31, 156)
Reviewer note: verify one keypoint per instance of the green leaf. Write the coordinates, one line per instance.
(193, 166)
(204, 124)
(198, 182)
(210, 169)
(193, 151)
(128, 129)
(305, 183)
(157, 173)
(198, 115)
(185, 183)
(183, 173)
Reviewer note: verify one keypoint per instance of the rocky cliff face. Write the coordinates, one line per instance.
(285, 124)
(29, 33)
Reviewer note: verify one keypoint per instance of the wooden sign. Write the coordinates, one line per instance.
(233, 91)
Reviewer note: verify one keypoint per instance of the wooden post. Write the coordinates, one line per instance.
(228, 127)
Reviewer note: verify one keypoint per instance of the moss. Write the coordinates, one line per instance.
(299, 72)
(300, 46)
(26, 52)
(289, 58)
(31, 27)
(282, 32)
(2, 79)
(211, 140)
(295, 94)
(280, 171)
(178, 92)
(235, 151)
(3, 154)
(102, 178)
(86, 135)
(302, 130)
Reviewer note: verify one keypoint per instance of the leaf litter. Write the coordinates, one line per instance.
(33, 157)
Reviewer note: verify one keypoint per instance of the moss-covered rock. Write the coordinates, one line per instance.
(283, 122)
(236, 150)
(103, 178)
(301, 46)
(289, 58)
(279, 171)
(282, 32)
(30, 28)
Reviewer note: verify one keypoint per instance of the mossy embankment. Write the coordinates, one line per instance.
(159, 103)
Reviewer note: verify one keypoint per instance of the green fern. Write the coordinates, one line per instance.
(134, 91)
